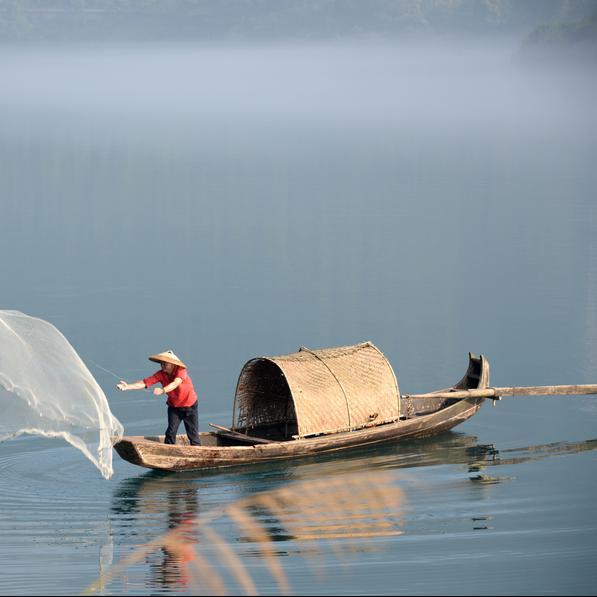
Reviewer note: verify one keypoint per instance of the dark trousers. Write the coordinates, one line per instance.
(187, 415)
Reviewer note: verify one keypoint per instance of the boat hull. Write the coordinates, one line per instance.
(150, 452)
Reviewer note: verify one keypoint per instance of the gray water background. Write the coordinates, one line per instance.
(230, 202)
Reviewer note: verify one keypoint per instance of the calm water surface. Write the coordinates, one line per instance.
(229, 203)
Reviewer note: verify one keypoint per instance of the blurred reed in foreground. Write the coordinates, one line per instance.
(346, 507)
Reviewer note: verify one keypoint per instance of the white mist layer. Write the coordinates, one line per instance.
(46, 389)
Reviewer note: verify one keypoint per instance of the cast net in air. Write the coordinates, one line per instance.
(46, 389)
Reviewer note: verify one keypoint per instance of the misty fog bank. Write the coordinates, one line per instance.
(386, 84)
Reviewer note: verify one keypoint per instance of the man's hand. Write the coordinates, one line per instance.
(158, 391)
(122, 385)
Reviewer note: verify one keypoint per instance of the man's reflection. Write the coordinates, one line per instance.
(143, 499)
(178, 551)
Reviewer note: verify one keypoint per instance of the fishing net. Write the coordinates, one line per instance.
(46, 389)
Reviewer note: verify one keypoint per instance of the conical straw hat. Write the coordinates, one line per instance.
(167, 357)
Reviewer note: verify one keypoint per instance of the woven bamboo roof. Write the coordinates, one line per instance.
(322, 391)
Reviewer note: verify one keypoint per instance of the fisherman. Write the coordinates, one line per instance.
(182, 399)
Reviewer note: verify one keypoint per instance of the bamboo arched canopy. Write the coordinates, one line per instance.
(314, 392)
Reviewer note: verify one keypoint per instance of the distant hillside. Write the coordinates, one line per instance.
(557, 43)
(184, 20)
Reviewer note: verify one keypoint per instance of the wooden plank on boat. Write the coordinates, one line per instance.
(243, 437)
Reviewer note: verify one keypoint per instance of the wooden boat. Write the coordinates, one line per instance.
(314, 402)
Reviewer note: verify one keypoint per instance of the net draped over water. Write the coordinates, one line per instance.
(46, 389)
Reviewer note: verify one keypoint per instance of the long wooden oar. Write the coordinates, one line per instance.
(512, 391)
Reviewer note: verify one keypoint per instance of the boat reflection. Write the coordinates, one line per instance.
(451, 448)
(155, 494)
(297, 508)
